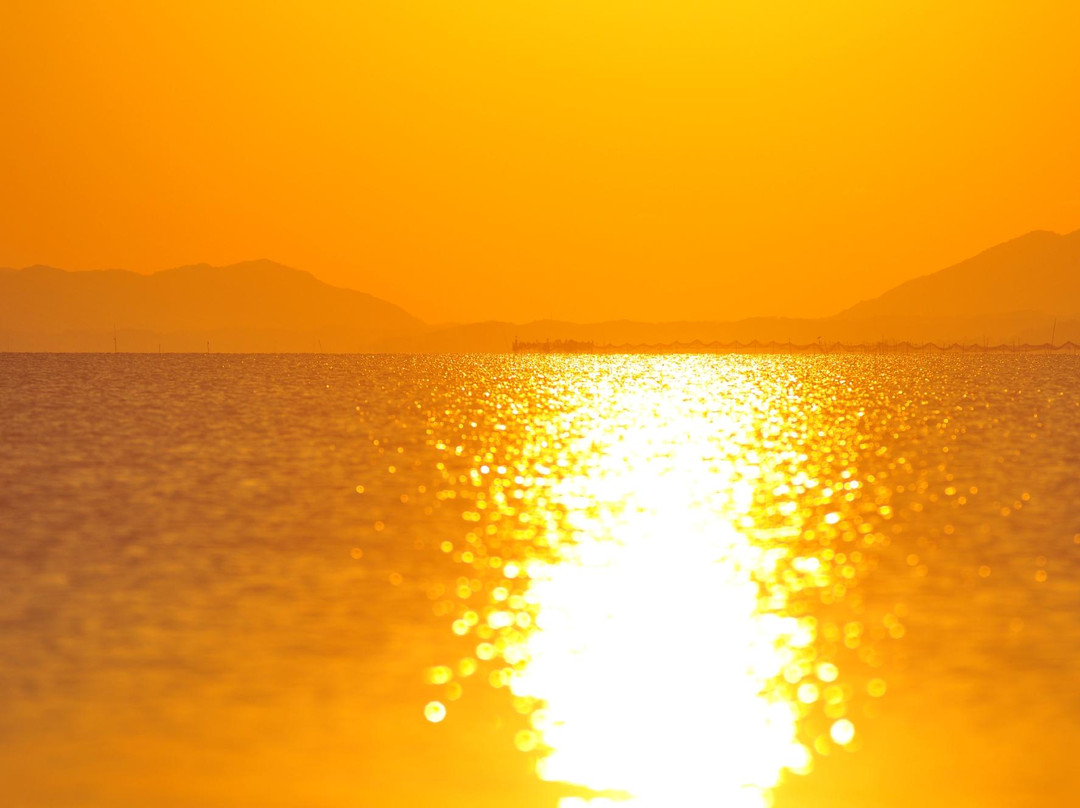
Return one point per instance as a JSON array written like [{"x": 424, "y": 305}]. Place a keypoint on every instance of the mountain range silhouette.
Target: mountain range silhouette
[
  {"x": 1038, "y": 272},
  {"x": 1024, "y": 290}
]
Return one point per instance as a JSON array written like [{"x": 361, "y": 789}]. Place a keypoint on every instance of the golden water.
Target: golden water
[{"x": 641, "y": 581}]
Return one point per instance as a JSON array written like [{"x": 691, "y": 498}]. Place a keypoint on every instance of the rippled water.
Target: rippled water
[{"x": 539, "y": 581}]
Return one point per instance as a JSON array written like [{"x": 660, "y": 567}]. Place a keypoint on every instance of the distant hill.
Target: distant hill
[
  {"x": 1024, "y": 290},
  {"x": 252, "y": 306},
  {"x": 1038, "y": 272}
]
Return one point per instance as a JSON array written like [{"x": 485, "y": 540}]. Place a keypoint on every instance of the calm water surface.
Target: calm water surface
[{"x": 657, "y": 582}]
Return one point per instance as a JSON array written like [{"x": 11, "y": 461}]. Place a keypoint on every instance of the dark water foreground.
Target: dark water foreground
[{"x": 530, "y": 581}]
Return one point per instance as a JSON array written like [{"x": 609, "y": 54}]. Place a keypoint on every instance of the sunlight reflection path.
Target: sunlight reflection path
[
  {"x": 650, "y": 653},
  {"x": 638, "y": 596}
]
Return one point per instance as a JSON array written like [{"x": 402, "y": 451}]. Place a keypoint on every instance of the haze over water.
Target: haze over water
[{"x": 539, "y": 581}]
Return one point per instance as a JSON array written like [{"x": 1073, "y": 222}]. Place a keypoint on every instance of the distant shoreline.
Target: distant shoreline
[
  {"x": 673, "y": 349},
  {"x": 756, "y": 347}
]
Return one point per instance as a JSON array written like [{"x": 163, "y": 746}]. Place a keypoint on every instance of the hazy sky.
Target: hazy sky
[{"x": 582, "y": 159}]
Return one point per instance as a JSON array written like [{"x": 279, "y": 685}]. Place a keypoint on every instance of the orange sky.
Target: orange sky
[{"x": 581, "y": 159}]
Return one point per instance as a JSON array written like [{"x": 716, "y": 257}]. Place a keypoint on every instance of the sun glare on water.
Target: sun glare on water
[
  {"x": 644, "y": 608},
  {"x": 650, "y": 655}
]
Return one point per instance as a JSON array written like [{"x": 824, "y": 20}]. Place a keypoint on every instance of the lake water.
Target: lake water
[{"x": 675, "y": 581}]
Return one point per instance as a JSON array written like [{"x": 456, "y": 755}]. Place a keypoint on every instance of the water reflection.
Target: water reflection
[
  {"x": 217, "y": 579},
  {"x": 659, "y": 567}
]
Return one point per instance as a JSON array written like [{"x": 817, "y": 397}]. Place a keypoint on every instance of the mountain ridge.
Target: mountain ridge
[
  {"x": 263, "y": 304},
  {"x": 997, "y": 280},
  {"x": 1024, "y": 289}
]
